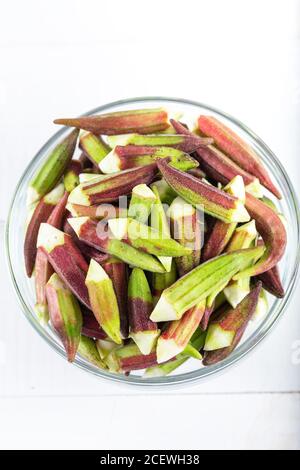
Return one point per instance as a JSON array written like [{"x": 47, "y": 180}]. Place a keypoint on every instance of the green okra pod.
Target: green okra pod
[
  {"x": 185, "y": 143},
  {"x": 145, "y": 238},
  {"x": 196, "y": 285},
  {"x": 160, "y": 223},
  {"x": 49, "y": 174},
  {"x": 103, "y": 301}
]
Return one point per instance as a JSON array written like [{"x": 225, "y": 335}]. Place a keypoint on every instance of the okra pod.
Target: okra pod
[
  {"x": 273, "y": 232},
  {"x": 143, "y": 331},
  {"x": 49, "y": 174},
  {"x": 65, "y": 259},
  {"x": 186, "y": 229},
  {"x": 178, "y": 333},
  {"x": 142, "y": 121},
  {"x": 103, "y": 301},
  {"x": 40, "y": 215},
  {"x": 145, "y": 238},
  {"x": 185, "y": 143},
  {"x": 133, "y": 156},
  {"x": 86, "y": 230},
  {"x": 237, "y": 149},
  {"x": 42, "y": 268},
  {"x": 225, "y": 332},
  {"x": 214, "y": 201},
  {"x": 111, "y": 187},
  {"x": 65, "y": 314},
  {"x": 196, "y": 285},
  {"x": 117, "y": 271},
  {"x": 160, "y": 223}
]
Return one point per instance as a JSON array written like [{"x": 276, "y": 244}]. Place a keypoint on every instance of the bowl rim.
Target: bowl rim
[{"x": 201, "y": 373}]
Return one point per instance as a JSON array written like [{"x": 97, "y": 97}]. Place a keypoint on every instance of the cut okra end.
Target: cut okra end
[
  {"x": 217, "y": 338},
  {"x": 49, "y": 237},
  {"x": 111, "y": 163},
  {"x": 145, "y": 340},
  {"x": 236, "y": 188},
  {"x": 236, "y": 291},
  {"x": 180, "y": 209},
  {"x": 77, "y": 196},
  {"x": 166, "y": 350},
  {"x": 77, "y": 222},
  {"x": 240, "y": 213},
  {"x": 164, "y": 311}
]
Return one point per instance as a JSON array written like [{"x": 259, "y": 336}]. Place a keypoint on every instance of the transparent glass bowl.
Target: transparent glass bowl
[{"x": 191, "y": 371}]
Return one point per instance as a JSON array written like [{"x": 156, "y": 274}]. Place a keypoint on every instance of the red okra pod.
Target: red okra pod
[
  {"x": 226, "y": 331},
  {"x": 237, "y": 149},
  {"x": 101, "y": 211},
  {"x": 110, "y": 187},
  {"x": 64, "y": 257},
  {"x": 43, "y": 269},
  {"x": 128, "y": 358},
  {"x": 271, "y": 280},
  {"x": 40, "y": 215},
  {"x": 216, "y": 164},
  {"x": 143, "y": 331},
  {"x": 178, "y": 333},
  {"x": 117, "y": 271},
  {"x": 132, "y": 156},
  {"x": 142, "y": 121},
  {"x": 272, "y": 230},
  {"x": 214, "y": 201}
]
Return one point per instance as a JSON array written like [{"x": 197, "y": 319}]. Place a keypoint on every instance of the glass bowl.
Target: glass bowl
[{"x": 191, "y": 371}]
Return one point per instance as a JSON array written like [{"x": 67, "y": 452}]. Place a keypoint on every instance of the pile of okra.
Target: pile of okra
[{"x": 156, "y": 244}]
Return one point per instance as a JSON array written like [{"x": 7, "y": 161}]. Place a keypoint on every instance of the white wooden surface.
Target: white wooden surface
[{"x": 65, "y": 57}]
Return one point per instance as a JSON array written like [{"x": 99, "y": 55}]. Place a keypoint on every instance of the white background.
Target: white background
[{"x": 65, "y": 57}]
